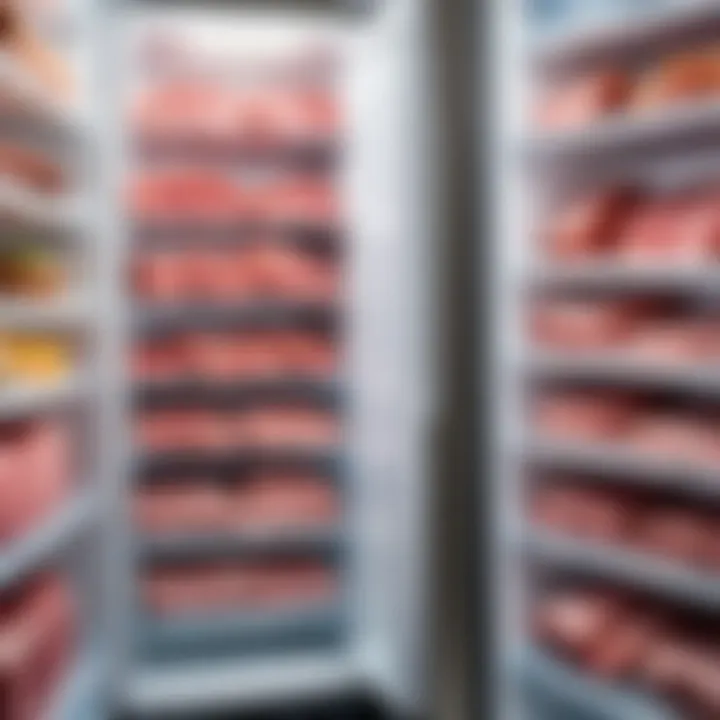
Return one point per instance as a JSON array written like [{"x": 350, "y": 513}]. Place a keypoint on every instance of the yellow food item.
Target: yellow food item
[{"x": 38, "y": 359}]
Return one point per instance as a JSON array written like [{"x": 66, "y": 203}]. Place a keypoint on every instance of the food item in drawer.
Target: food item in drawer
[
  {"x": 37, "y": 634},
  {"x": 583, "y": 416},
  {"x": 283, "y": 118},
  {"x": 624, "y": 646},
  {"x": 589, "y": 227},
  {"x": 263, "y": 271},
  {"x": 163, "y": 276},
  {"x": 676, "y": 436},
  {"x": 677, "y": 534},
  {"x": 642, "y": 641},
  {"x": 583, "y": 100},
  {"x": 682, "y": 535},
  {"x": 305, "y": 352},
  {"x": 237, "y": 587},
  {"x": 576, "y": 620},
  {"x": 190, "y": 111},
  {"x": 675, "y": 341},
  {"x": 283, "y": 271},
  {"x": 582, "y": 325},
  {"x": 163, "y": 358},
  {"x": 220, "y": 274},
  {"x": 302, "y": 201},
  {"x": 32, "y": 273},
  {"x": 36, "y": 466},
  {"x": 290, "y": 427},
  {"x": 273, "y": 501},
  {"x": 34, "y": 359},
  {"x": 185, "y": 506},
  {"x": 672, "y": 230},
  {"x": 181, "y": 430},
  {"x": 222, "y": 356},
  {"x": 218, "y": 356},
  {"x": 184, "y": 195},
  {"x": 31, "y": 169},
  {"x": 680, "y": 77}
]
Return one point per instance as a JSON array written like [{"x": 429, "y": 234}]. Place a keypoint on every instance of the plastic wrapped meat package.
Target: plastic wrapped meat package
[
  {"x": 36, "y": 465},
  {"x": 657, "y": 84},
  {"x": 264, "y": 503},
  {"x": 627, "y": 638},
  {"x": 234, "y": 588},
  {"x": 37, "y": 641}
]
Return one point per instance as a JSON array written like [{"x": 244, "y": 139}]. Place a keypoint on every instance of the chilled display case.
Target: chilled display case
[{"x": 606, "y": 324}]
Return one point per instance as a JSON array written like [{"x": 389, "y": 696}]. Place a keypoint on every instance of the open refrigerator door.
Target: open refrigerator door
[
  {"x": 606, "y": 365},
  {"x": 267, "y": 376}
]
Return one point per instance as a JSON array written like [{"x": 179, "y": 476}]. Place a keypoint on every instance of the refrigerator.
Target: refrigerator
[
  {"x": 203, "y": 395},
  {"x": 604, "y": 158}
]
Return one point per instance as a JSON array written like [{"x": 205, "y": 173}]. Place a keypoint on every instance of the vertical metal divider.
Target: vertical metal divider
[
  {"x": 115, "y": 441},
  {"x": 508, "y": 256}
]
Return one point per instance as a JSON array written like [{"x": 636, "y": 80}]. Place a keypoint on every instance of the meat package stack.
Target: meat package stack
[
  {"x": 236, "y": 278},
  {"x": 43, "y": 341},
  {"x": 622, "y": 473}
]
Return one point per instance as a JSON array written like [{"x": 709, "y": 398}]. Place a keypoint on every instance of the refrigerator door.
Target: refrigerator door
[{"x": 388, "y": 382}]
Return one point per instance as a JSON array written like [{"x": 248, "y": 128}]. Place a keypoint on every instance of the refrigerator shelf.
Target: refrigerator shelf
[
  {"x": 652, "y": 472},
  {"x": 265, "y": 313},
  {"x": 152, "y": 233},
  {"x": 695, "y": 123},
  {"x": 605, "y": 41},
  {"x": 663, "y": 578},
  {"x": 551, "y": 681},
  {"x": 346, "y": 7},
  {"x": 298, "y": 540},
  {"x": 703, "y": 379},
  {"x": 67, "y": 312},
  {"x": 626, "y": 278},
  {"x": 47, "y": 541},
  {"x": 248, "y": 631},
  {"x": 19, "y": 401},
  {"x": 22, "y": 90},
  {"x": 30, "y": 211},
  {"x": 300, "y": 154},
  {"x": 234, "y": 391},
  {"x": 323, "y": 459},
  {"x": 242, "y": 682}
]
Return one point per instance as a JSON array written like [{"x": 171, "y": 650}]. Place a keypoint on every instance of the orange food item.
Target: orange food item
[
  {"x": 584, "y": 100},
  {"x": 685, "y": 76}
]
